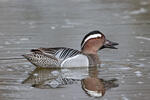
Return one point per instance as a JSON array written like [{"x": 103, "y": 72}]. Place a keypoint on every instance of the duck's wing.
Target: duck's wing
[
  {"x": 40, "y": 59},
  {"x": 59, "y": 53},
  {"x": 43, "y": 52}
]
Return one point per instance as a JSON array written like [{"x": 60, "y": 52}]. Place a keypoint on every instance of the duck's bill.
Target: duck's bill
[{"x": 110, "y": 44}]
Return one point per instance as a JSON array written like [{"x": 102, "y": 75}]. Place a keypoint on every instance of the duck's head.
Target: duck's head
[{"x": 94, "y": 41}]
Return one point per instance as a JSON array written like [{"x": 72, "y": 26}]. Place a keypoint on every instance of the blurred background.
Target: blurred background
[{"x": 26, "y": 24}]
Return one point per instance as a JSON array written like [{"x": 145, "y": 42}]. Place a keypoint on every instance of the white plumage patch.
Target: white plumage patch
[
  {"x": 93, "y": 93},
  {"x": 76, "y": 61},
  {"x": 91, "y": 37}
]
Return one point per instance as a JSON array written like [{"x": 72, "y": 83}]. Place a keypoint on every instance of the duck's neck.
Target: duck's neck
[
  {"x": 89, "y": 50},
  {"x": 93, "y": 58}
]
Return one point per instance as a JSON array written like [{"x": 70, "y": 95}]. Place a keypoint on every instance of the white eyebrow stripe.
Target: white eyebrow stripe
[{"x": 91, "y": 37}]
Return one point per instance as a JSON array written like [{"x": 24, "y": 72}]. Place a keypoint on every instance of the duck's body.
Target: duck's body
[
  {"x": 62, "y": 57},
  {"x": 67, "y": 57}
]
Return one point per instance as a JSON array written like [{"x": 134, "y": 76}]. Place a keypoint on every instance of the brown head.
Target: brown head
[{"x": 94, "y": 41}]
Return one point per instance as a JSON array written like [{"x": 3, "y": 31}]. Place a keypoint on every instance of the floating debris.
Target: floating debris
[
  {"x": 138, "y": 73},
  {"x": 142, "y": 59},
  {"x": 141, "y": 10},
  {"x": 24, "y": 39},
  {"x": 53, "y": 27},
  {"x": 140, "y": 82},
  {"x": 141, "y": 37}
]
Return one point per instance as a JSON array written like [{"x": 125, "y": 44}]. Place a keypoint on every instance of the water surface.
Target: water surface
[{"x": 26, "y": 24}]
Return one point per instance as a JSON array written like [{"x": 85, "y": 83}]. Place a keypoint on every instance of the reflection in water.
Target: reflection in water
[
  {"x": 48, "y": 78},
  {"x": 57, "y": 78},
  {"x": 95, "y": 86}
]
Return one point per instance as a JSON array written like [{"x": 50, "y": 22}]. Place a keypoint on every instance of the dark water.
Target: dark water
[{"x": 26, "y": 24}]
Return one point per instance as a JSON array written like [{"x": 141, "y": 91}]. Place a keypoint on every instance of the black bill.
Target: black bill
[{"x": 109, "y": 44}]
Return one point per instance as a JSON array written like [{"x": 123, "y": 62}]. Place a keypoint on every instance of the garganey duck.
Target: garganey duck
[{"x": 67, "y": 57}]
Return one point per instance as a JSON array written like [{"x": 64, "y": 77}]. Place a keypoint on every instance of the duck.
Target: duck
[{"x": 67, "y": 57}]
